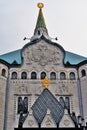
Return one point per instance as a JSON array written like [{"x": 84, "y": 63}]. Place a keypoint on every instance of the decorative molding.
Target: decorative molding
[
  {"x": 66, "y": 122},
  {"x": 42, "y": 54}
]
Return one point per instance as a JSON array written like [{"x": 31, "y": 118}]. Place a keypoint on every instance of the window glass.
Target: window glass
[
  {"x": 14, "y": 75},
  {"x": 3, "y": 72},
  {"x": 52, "y": 75},
  {"x": 72, "y": 75},
  {"x": 62, "y": 76},
  {"x": 33, "y": 75},
  {"x": 43, "y": 75},
  {"x": 24, "y": 75},
  {"x": 20, "y": 105},
  {"x": 25, "y": 103},
  {"x": 83, "y": 72},
  {"x": 67, "y": 103}
]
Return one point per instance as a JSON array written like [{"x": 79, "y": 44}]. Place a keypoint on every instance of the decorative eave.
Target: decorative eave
[{"x": 46, "y": 40}]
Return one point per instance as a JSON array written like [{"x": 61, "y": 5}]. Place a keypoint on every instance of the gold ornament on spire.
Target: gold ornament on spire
[
  {"x": 40, "y": 5},
  {"x": 45, "y": 82}
]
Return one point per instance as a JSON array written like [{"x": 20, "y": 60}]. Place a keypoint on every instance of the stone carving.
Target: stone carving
[
  {"x": 29, "y": 58},
  {"x": 63, "y": 89},
  {"x": 56, "y": 58},
  {"x": 30, "y": 122},
  {"x": 42, "y": 54},
  {"x": 48, "y": 122},
  {"x": 66, "y": 122},
  {"x": 22, "y": 89}
]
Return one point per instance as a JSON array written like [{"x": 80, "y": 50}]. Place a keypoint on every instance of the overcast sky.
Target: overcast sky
[{"x": 65, "y": 19}]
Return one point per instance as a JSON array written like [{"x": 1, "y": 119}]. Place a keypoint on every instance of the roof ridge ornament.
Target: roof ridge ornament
[{"x": 40, "y": 5}]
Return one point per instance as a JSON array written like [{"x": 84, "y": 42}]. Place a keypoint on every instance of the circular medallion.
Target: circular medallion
[
  {"x": 66, "y": 122},
  {"x": 30, "y": 122}
]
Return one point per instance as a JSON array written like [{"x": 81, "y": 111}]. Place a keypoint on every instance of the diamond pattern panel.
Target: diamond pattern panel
[{"x": 47, "y": 101}]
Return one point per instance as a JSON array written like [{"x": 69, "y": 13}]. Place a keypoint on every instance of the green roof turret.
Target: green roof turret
[
  {"x": 40, "y": 28},
  {"x": 40, "y": 20}
]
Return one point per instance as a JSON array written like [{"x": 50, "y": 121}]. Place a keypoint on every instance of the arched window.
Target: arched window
[
  {"x": 25, "y": 105},
  {"x": 33, "y": 75},
  {"x": 61, "y": 100},
  {"x": 43, "y": 75},
  {"x": 52, "y": 75},
  {"x": 24, "y": 75},
  {"x": 72, "y": 75},
  {"x": 14, "y": 75},
  {"x": 62, "y": 76},
  {"x": 67, "y": 103},
  {"x": 20, "y": 105},
  {"x": 3, "y": 72},
  {"x": 83, "y": 72}
]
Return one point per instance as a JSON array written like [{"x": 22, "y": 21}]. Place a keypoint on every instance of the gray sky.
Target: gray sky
[{"x": 65, "y": 19}]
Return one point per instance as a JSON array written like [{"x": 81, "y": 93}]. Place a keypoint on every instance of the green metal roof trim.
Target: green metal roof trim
[{"x": 11, "y": 57}]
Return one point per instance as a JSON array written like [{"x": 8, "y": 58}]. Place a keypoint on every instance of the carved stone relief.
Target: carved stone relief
[
  {"x": 22, "y": 89},
  {"x": 48, "y": 122},
  {"x": 63, "y": 89},
  {"x": 30, "y": 122},
  {"x": 42, "y": 54},
  {"x": 66, "y": 122}
]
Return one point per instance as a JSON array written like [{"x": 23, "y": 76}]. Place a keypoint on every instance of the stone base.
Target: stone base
[{"x": 49, "y": 128}]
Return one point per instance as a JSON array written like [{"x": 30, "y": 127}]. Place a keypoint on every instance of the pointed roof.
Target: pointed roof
[
  {"x": 40, "y": 20},
  {"x": 40, "y": 28}
]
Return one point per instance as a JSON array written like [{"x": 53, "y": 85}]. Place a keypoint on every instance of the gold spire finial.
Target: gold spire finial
[
  {"x": 40, "y": 5},
  {"x": 45, "y": 82}
]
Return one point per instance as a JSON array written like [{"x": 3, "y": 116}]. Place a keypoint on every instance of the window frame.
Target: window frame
[
  {"x": 24, "y": 75},
  {"x": 62, "y": 76},
  {"x": 52, "y": 75}
]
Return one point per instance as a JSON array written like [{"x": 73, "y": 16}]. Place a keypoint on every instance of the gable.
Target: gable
[
  {"x": 16, "y": 56},
  {"x": 42, "y": 54},
  {"x": 66, "y": 121}
]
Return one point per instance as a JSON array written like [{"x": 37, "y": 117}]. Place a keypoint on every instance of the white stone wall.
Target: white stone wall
[
  {"x": 83, "y": 81},
  {"x": 33, "y": 88},
  {"x": 3, "y": 82}
]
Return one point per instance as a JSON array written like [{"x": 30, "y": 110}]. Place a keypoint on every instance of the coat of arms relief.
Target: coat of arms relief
[{"x": 42, "y": 54}]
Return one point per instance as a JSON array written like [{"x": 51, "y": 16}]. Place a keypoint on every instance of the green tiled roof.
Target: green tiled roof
[
  {"x": 73, "y": 58},
  {"x": 11, "y": 57}
]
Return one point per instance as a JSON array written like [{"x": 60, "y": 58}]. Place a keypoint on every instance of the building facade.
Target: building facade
[{"x": 42, "y": 85}]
